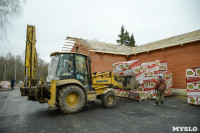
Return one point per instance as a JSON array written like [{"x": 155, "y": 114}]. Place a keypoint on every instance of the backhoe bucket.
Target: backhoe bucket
[{"x": 31, "y": 91}]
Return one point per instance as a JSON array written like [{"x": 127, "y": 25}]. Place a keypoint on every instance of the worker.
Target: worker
[
  {"x": 160, "y": 88},
  {"x": 12, "y": 83}
]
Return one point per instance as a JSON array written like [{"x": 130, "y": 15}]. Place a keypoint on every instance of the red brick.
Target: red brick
[{"x": 178, "y": 57}]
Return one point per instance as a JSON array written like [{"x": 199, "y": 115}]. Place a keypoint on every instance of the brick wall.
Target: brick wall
[
  {"x": 81, "y": 49},
  {"x": 103, "y": 62},
  {"x": 179, "y": 58}
]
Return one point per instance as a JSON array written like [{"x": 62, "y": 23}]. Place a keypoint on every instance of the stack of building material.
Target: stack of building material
[
  {"x": 122, "y": 93},
  {"x": 5, "y": 85},
  {"x": 193, "y": 86},
  {"x": 126, "y": 68},
  {"x": 146, "y": 74}
]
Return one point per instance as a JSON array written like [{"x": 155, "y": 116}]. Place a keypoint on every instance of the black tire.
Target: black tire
[
  {"x": 71, "y": 99},
  {"x": 109, "y": 99}
]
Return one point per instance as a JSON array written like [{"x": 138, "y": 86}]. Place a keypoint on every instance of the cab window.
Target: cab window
[
  {"x": 81, "y": 69},
  {"x": 65, "y": 66}
]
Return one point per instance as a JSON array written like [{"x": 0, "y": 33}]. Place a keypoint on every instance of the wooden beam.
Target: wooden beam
[
  {"x": 67, "y": 45},
  {"x": 70, "y": 42},
  {"x": 66, "y": 50},
  {"x": 72, "y": 38}
]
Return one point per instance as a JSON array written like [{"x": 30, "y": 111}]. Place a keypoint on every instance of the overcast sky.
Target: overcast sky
[{"x": 148, "y": 20}]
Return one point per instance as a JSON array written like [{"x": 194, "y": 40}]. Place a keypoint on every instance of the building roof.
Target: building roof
[
  {"x": 102, "y": 47},
  {"x": 108, "y": 47},
  {"x": 169, "y": 42}
]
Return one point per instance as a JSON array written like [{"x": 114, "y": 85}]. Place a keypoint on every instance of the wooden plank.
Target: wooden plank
[
  {"x": 70, "y": 42},
  {"x": 68, "y": 45}
]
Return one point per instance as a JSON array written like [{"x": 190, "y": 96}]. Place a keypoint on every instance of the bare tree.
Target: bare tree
[
  {"x": 8, "y": 9},
  {"x": 42, "y": 71},
  {"x": 10, "y": 61},
  {"x": 2, "y": 67}
]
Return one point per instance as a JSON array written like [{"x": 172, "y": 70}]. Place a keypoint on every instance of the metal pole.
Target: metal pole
[
  {"x": 5, "y": 73},
  {"x": 26, "y": 77},
  {"x": 15, "y": 70}
]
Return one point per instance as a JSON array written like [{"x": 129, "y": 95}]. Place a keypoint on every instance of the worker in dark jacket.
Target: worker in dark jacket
[
  {"x": 12, "y": 83},
  {"x": 160, "y": 88}
]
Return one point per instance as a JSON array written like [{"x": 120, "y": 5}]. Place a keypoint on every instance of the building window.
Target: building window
[{"x": 77, "y": 48}]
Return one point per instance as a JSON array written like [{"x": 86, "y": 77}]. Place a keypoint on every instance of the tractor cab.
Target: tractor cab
[{"x": 75, "y": 66}]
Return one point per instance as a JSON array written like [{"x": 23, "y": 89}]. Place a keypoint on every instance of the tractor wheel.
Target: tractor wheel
[
  {"x": 109, "y": 99},
  {"x": 71, "y": 99}
]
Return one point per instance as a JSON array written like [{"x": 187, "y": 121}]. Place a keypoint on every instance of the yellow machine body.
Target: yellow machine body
[
  {"x": 106, "y": 79},
  {"x": 72, "y": 85},
  {"x": 30, "y": 56}
]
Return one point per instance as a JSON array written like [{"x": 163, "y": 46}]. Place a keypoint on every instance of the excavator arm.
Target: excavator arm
[
  {"x": 30, "y": 56},
  {"x": 31, "y": 86}
]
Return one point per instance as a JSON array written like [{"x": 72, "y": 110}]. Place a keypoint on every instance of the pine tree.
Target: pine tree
[
  {"x": 132, "y": 41},
  {"x": 121, "y": 36},
  {"x": 125, "y": 39}
]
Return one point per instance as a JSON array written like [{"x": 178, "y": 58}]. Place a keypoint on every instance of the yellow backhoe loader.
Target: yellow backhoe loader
[{"x": 69, "y": 81}]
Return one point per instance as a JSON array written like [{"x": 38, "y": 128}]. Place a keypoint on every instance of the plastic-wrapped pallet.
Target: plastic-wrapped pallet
[
  {"x": 152, "y": 94},
  {"x": 126, "y": 67},
  {"x": 122, "y": 93},
  {"x": 118, "y": 92},
  {"x": 193, "y": 85},
  {"x": 146, "y": 74},
  {"x": 5, "y": 84},
  {"x": 138, "y": 95},
  {"x": 168, "y": 79},
  {"x": 195, "y": 100}
]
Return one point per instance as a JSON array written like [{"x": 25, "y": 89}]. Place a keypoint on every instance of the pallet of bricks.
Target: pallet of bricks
[
  {"x": 193, "y": 86},
  {"x": 146, "y": 74}
]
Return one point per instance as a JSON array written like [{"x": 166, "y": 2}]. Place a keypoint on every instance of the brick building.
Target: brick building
[{"x": 181, "y": 52}]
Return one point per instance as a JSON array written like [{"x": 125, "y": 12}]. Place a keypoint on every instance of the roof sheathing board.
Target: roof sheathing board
[
  {"x": 83, "y": 44},
  {"x": 169, "y": 42},
  {"x": 107, "y": 47}
]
